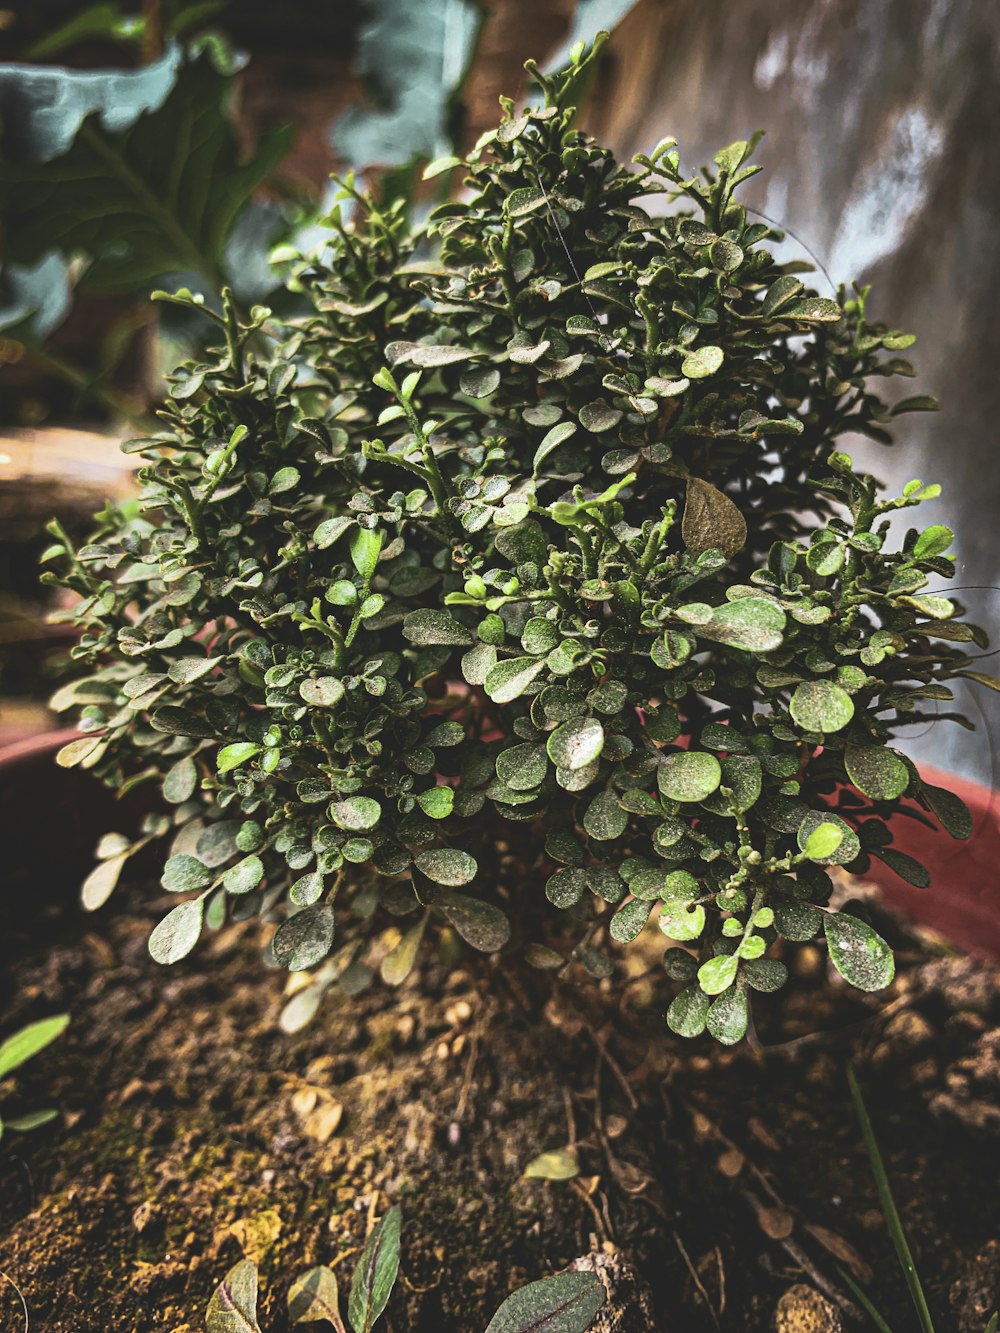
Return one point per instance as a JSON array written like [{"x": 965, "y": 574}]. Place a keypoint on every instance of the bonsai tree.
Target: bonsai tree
[{"x": 526, "y": 566}]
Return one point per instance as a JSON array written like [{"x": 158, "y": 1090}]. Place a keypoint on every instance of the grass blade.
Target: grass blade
[
  {"x": 865, "y": 1302},
  {"x": 892, "y": 1218}
]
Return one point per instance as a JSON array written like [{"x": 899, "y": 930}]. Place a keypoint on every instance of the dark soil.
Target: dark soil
[{"x": 194, "y": 1131}]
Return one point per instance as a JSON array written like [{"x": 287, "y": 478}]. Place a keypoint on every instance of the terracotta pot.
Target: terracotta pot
[
  {"x": 50, "y": 821},
  {"x": 51, "y": 818},
  {"x": 963, "y": 901}
]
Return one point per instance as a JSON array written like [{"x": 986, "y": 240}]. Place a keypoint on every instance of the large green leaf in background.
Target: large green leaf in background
[
  {"x": 141, "y": 187},
  {"x": 413, "y": 58}
]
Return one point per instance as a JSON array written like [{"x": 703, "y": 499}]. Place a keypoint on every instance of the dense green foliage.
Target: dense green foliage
[{"x": 538, "y": 520}]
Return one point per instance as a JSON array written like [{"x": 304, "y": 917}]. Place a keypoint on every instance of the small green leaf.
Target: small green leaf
[
  {"x": 556, "y": 436},
  {"x": 305, "y": 939},
  {"x": 813, "y": 310},
  {"x": 175, "y": 721},
  {"x": 705, "y": 361},
  {"x": 235, "y": 755},
  {"x": 754, "y": 623},
  {"x": 691, "y": 775},
  {"x": 877, "y": 771},
  {"x": 480, "y": 381},
  {"x": 366, "y": 546},
  {"x": 843, "y": 849},
  {"x": 566, "y": 1303},
  {"x": 522, "y": 767},
  {"x": 178, "y": 932},
  {"x": 780, "y": 293},
  {"x": 357, "y": 814},
  {"x": 180, "y": 781},
  {"x": 29, "y": 1040},
  {"x": 797, "y": 921},
  {"x": 323, "y": 692},
  {"x": 933, "y": 541},
  {"x": 99, "y": 885},
  {"x": 439, "y": 166},
  {"x": 981, "y": 678},
  {"x": 728, "y": 1016},
  {"x": 629, "y": 921},
  {"x": 183, "y": 873},
  {"x": 244, "y": 876},
  {"x": 688, "y": 1012},
  {"x": 576, "y": 744},
  {"x": 398, "y": 963},
  {"x": 823, "y": 841},
  {"x": 330, "y": 529},
  {"x": 23, "y": 1124},
  {"x": 718, "y": 974},
  {"x": 604, "y": 819},
  {"x": 557, "y": 1164},
  {"x": 509, "y": 679},
  {"x": 599, "y": 416},
  {"x": 480, "y": 924},
  {"x": 233, "y": 1307},
  {"x": 680, "y": 920},
  {"x": 185, "y": 670},
  {"x": 950, "y": 809},
  {"x": 859, "y": 954},
  {"x": 905, "y": 866},
  {"x": 314, "y": 1296},
  {"x": 375, "y": 1275},
  {"x": 430, "y": 628},
  {"x": 425, "y": 354},
  {"x": 821, "y": 706},
  {"x": 448, "y": 866},
  {"x": 436, "y": 802}
]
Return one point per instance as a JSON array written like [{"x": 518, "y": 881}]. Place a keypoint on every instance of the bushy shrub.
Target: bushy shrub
[{"x": 538, "y": 519}]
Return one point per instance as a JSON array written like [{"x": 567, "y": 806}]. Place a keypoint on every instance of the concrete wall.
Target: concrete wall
[{"x": 883, "y": 154}]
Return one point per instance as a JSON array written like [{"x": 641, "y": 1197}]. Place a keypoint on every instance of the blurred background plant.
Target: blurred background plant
[{"x": 172, "y": 145}]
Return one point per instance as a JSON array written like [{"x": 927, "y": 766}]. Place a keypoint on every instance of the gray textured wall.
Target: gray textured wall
[{"x": 883, "y": 154}]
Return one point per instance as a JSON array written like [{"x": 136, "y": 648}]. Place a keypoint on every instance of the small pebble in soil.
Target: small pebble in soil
[
  {"x": 803, "y": 1310},
  {"x": 976, "y": 1294}
]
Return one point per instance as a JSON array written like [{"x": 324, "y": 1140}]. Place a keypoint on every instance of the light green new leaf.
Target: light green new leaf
[
  {"x": 235, "y": 755},
  {"x": 29, "y": 1041},
  {"x": 556, "y": 1164},
  {"x": 718, "y": 974}
]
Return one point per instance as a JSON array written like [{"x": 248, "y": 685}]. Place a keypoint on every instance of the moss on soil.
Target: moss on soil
[{"x": 194, "y": 1131}]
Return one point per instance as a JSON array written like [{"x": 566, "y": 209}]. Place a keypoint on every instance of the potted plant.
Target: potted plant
[{"x": 521, "y": 596}]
